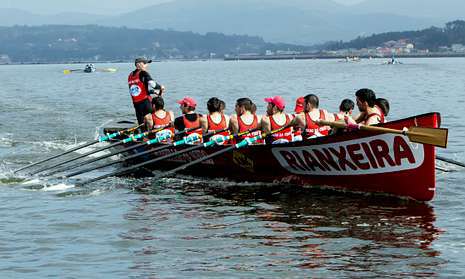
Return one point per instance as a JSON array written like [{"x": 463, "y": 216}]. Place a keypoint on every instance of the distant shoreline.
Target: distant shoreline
[
  {"x": 322, "y": 56},
  {"x": 251, "y": 58}
]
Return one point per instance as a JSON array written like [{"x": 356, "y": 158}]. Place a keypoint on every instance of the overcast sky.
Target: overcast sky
[{"x": 92, "y": 6}]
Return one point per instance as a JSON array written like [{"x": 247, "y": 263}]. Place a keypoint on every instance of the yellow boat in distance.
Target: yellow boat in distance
[{"x": 86, "y": 70}]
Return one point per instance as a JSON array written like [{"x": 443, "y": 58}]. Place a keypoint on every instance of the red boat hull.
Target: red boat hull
[{"x": 358, "y": 161}]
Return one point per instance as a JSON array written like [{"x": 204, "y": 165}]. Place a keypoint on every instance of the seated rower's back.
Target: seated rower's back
[
  {"x": 189, "y": 118},
  {"x": 215, "y": 120},
  {"x": 312, "y": 114},
  {"x": 160, "y": 118},
  {"x": 245, "y": 119},
  {"x": 276, "y": 119}
]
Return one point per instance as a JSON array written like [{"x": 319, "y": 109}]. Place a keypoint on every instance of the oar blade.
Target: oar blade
[{"x": 433, "y": 136}]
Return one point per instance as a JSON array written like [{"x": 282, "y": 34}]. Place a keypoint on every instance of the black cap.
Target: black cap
[{"x": 142, "y": 59}]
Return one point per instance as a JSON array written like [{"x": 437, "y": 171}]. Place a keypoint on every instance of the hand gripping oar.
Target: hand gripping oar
[
  {"x": 101, "y": 139},
  {"x": 185, "y": 140},
  {"x": 158, "y": 139},
  {"x": 432, "y": 136},
  {"x": 131, "y": 168},
  {"x": 450, "y": 161},
  {"x": 126, "y": 140}
]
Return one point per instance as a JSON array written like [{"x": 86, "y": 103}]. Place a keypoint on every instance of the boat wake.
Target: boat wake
[{"x": 7, "y": 141}]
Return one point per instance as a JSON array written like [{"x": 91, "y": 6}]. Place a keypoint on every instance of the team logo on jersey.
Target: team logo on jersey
[{"x": 135, "y": 90}]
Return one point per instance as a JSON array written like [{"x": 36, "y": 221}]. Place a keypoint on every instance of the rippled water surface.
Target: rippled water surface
[{"x": 190, "y": 227}]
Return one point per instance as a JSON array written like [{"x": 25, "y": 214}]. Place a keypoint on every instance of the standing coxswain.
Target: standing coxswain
[{"x": 141, "y": 86}]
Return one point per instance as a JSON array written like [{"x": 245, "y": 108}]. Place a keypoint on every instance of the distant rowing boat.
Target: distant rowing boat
[
  {"x": 90, "y": 70},
  {"x": 360, "y": 161}
]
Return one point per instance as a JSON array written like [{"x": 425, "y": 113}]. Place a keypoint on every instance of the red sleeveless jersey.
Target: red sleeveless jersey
[
  {"x": 193, "y": 124},
  {"x": 285, "y": 135},
  {"x": 162, "y": 122},
  {"x": 311, "y": 128},
  {"x": 212, "y": 126},
  {"x": 243, "y": 127},
  {"x": 137, "y": 89}
]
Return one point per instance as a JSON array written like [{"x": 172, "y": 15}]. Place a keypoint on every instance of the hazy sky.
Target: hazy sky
[{"x": 92, "y": 6}]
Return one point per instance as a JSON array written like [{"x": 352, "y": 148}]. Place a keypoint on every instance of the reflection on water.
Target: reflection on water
[{"x": 268, "y": 229}]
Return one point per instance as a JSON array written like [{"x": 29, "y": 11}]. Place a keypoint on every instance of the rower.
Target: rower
[
  {"x": 189, "y": 118},
  {"x": 215, "y": 120},
  {"x": 298, "y": 110},
  {"x": 382, "y": 105},
  {"x": 344, "y": 115},
  {"x": 277, "y": 119},
  {"x": 299, "y": 106},
  {"x": 345, "y": 111},
  {"x": 312, "y": 114},
  {"x": 160, "y": 118},
  {"x": 369, "y": 115},
  {"x": 245, "y": 119}
]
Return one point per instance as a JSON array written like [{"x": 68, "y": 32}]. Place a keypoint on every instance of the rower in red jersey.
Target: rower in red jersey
[
  {"x": 312, "y": 114},
  {"x": 276, "y": 119},
  {"x": 216, "y": 120},
  {"x": 382, "y": 105},
  {"x": 369, "y": 115},
  {"x": 189, "y": 118},
  {"x": 345, "y": 111},
  {"x": 160, "y": 118},
  {"x": 344, "y": 115},
  {"x": 245, "y": 119}
]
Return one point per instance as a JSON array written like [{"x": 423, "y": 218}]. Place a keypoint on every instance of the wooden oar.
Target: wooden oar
[
  {"x": 239, "y": 145},
  {"x": 108, "y": 70},
  {"x": 432, "y": 136},
  {"x": 153, "y": 141},
  {"x": 101, "y": 139},
  {"x": 450, "y": 161},
  {"x": 185, "y": 140},
  {"x": 70, "y": 71},
  {"x": 152, "y": 161},
  {"x": 126, "y": 140}
]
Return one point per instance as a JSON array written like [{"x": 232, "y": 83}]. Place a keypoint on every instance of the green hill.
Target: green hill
[
  {"x": 431, "y": 38},
  {"x": 65, "y": 43}
]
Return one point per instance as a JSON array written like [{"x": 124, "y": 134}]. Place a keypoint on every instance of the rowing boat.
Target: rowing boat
[{"x": 359, "y": 161}]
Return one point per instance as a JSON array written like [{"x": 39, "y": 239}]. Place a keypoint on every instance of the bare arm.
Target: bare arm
[
  {"x": 233, "y": 124},
  {"x": 204, "y": 123},
  {"x": 265, "y": 124},
  {"x": 148, "y": 122}
]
